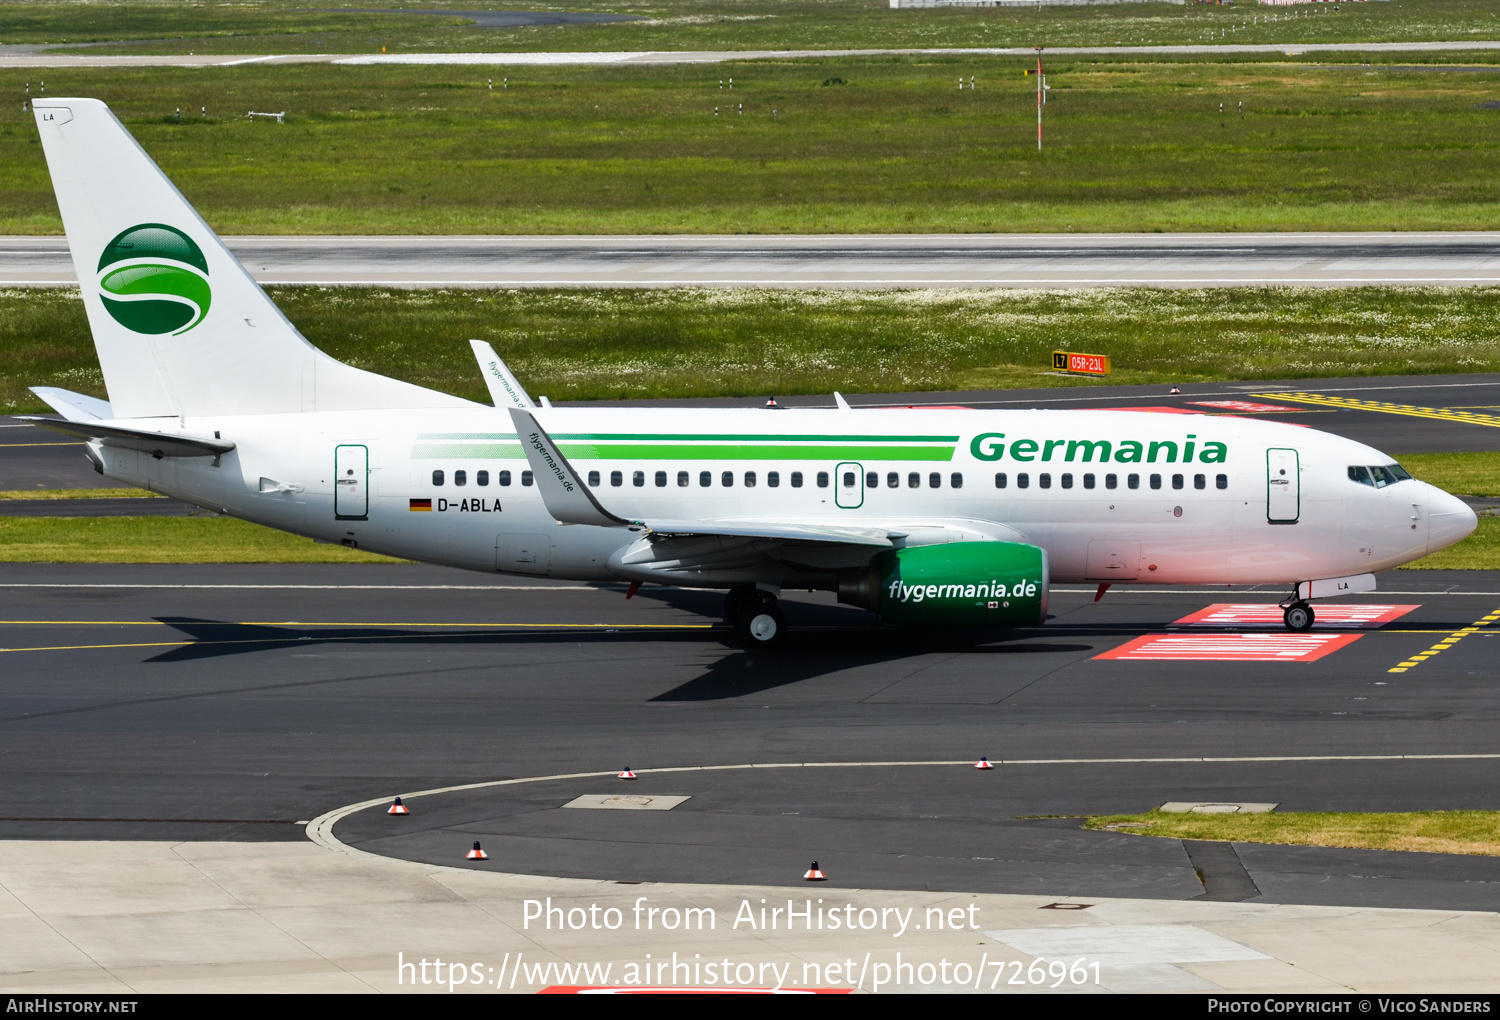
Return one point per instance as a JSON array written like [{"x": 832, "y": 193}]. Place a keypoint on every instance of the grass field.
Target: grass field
[
  {"x": 161, "y": 540},
  {"x": 581, "y": 345},
  {"x": 1441, "y": 832},
  {"x": 281, "y": 26},
  {"x": 862, "y": 145}
]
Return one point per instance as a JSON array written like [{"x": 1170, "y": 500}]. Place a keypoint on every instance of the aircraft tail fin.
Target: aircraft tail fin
[{"x": 180, "y": 327}]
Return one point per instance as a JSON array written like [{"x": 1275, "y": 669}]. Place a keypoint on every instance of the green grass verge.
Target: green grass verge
[
  {"x": 895, "y": 148},
  {"x": 161, "y": 540},
  {"x": 584, "y": 345},
  {"x": 1444, "y": 832},
  {"x": 283, "y": 26},
  {"x": 1464, "y": 474},
  {"x": 78, "y": 494}
]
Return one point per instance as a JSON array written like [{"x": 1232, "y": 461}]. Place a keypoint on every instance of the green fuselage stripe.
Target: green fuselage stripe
[{"x": 684, "y": 451}]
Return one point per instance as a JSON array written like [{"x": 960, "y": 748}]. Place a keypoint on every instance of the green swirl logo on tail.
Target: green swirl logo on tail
[{"x": 162, "y": 286}]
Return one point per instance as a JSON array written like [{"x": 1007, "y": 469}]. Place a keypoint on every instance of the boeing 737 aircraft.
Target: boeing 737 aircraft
[{"x": 930, "y": 518}]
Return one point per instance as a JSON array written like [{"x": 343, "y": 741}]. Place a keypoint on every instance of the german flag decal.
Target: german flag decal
[{"x": 421, "y": 504}]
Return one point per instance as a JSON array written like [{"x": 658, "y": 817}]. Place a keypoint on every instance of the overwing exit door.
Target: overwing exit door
[
  {"x": 1283, "y": 487},
  {"x": 351, "y": 483},
  {"x": 849, "y": 486}
]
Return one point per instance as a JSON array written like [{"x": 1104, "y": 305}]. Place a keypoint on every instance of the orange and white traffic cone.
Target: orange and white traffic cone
[
  {"x": 398, "y": 808},
  {"x": 984, "y": 763},
  {"x": 814, "y": 875},
  {"x": 476, "y": 854},
  {"x": 627, "y": 774}
]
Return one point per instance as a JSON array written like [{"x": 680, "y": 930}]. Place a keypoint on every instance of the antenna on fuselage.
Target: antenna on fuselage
[{"x": 843, "y": 405}]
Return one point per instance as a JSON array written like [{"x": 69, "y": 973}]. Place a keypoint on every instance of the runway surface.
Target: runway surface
[
  {"x": 852, "y": 261},
  {"x": 54, "y": 58},
  {"x": 242, "y": 702}
]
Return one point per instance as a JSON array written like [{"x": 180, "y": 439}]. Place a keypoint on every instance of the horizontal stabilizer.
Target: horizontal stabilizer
[
  {"x": 567, "y": 499},
  {"x": 74, "y": 406},
  {"x": 505, "y": 391},
  {"x": 157, "y": 444}
]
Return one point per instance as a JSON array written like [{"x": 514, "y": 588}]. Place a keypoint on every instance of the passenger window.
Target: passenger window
[
  {"x": 503, "y": 478},
  {"x": 935, "y": 481},
  {"x": 749, "y": 479},
  {"x": 1023, "y": 480},
  {"x": 956, "y": 479},
  {"x": 1111, "y": 481},
  {"x": 593, "y": 478},
  {"x": 1067, "y": 481},
  {"x": 661, "y": 479},
  {"x": 1044, "y": 480},
  {"x": 526, "y": 478},
  {"x": 481, "y": 478},
  {"x": 682, "y": 479},
  {"x": 460, "y": 478},
  {"x": 1156, "y": 481},
  {"x": 1088, "y": 481},
  {"x": 437, "y": 477},
  {"x": 914, "y": 480},
  {"x": 1200, "y": 482},
  {"x": 705, "y": 478},
  {"x": 848, "y": 479},
  {"x": 893, "y": 480},
  {"x": 1221, "y": 481},
  {"x": 1000, "y": 479},
  {"x": 822, "y": 479},
  {"x": 773, "y": 479},
  {"x": 796, "y": 479},
  {"x": 1176, "y": 481},
  {"x": 727, "y": 480},
  {"x": 616, "y": 478},
  {"x": 1361, "y": 475},
  {"x": 638, "y": 478},
  {"x": 1133, "y": 481},
  {"x": 872, "y": 480}
]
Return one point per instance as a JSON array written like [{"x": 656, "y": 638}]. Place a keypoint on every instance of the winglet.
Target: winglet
[
  {"x": 505, "y": 391},
  {"x": 566, "y": 497},
  {"x": 843, "y": 405}
]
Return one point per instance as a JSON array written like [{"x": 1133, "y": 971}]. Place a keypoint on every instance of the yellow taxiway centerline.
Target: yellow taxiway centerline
[{"x": 1385, "y": 407}]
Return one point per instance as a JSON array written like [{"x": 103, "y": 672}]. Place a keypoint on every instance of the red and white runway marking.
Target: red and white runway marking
[
  {"x": 1285, "y": 647},
  {"x": 1335, "y": 616}
]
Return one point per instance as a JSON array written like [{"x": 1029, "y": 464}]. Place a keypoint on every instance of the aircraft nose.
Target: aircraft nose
[{"x": 1449, "y": 520}]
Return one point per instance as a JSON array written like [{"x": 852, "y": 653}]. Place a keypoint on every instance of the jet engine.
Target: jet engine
[{"x": 960, "y": 584}]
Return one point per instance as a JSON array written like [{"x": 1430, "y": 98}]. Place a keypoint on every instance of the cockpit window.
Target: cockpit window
[{"x": 1378, "y": 476}]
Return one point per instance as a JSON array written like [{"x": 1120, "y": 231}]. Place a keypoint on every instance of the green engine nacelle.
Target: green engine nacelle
[{"x": 962, "y": 584}]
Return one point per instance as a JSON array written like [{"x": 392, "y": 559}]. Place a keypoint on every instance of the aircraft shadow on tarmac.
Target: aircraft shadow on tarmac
[{"x": 807, "y": 655}]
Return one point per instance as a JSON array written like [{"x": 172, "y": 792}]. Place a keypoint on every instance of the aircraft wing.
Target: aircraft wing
[
  {"x": 876, "y": 537},
  {"x": 157, "y": 444},
  {"x": 505, "y": 390}
]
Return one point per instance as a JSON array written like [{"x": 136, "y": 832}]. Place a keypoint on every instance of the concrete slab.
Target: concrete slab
[{"x": 346, "y": 942}]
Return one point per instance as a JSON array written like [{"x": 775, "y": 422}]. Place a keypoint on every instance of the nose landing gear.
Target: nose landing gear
[
  {"x": 1298, "y": 616},
  {"x": 757, "y": 620}
]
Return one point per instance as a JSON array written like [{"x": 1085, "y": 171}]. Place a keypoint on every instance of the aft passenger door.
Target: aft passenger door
[
  {"x": 849, "y": 482},
  {"x": 1283, "y": 487},
  {"x": 351, "y": 483}
]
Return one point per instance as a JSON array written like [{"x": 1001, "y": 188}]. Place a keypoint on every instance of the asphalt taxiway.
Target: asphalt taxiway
[{"x": 840, "y": 261}]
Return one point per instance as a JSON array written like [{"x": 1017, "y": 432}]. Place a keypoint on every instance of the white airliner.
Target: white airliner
[{"x": 931, "y": 518}]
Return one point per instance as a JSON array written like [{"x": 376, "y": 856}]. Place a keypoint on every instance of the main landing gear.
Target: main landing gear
[
  {"x": 756, "y": 619},
  {"x": 1298, "y": 616}
]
